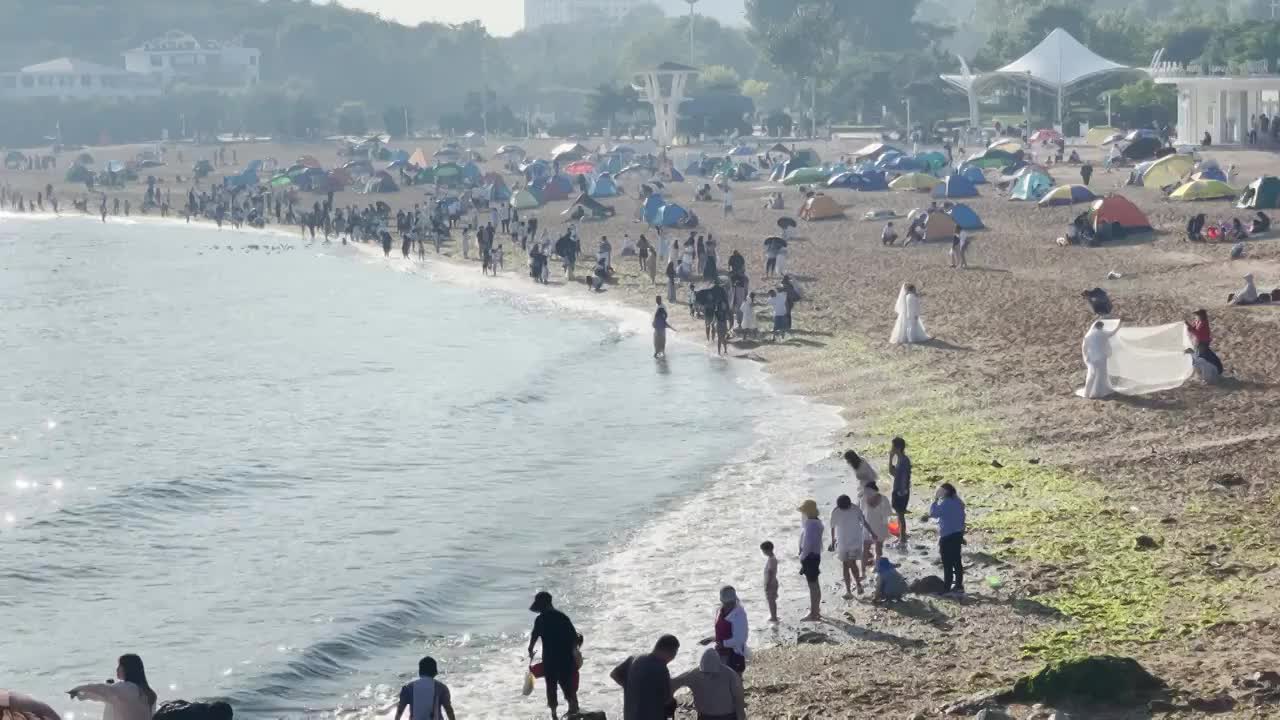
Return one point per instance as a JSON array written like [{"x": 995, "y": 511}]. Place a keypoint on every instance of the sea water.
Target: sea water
[{"x": 282, "y": 471}]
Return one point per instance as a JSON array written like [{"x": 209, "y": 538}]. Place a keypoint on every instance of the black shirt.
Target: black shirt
[{"x": 559, "y": 639}]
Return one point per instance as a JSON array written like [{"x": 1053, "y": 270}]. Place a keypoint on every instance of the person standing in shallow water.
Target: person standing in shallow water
[
  {"x": 660, "y": 328},
  {"x": 559, "y": 646},
  {"x": 811, "y": 557},
  {"x": 426, "y": 698}
]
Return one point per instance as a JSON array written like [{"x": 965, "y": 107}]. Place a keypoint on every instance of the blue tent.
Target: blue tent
[
  {"x": 1212, "y": 173},
  {"x": 496, "y": 192},
  {"x": 604, "y": 186},
  {"x": 973, "y": 174},
  {"x": 536, "y": 169},
  {"x": 552, "y": 188},
  {"x": 471, "y": 173},
  {"x": 672, "y": 215},
  {"x": 399, "y": 156},
  {"x": 955, "y": 186},
  {"x": 676, "y": 176},
  {"x": 865, "y": 181},
  {"x": 779, "y": 172},
  {"x": 742, "y": 151},
  {"x": 653, "y": 209},
  {"x": 901, "y": 163},
  {"x": 1031, "y": 186},
  {"x": 965, "y": 217}
]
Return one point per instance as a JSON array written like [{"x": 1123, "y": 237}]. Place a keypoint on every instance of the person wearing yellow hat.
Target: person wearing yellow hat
[{"x": 811, "y": 556}]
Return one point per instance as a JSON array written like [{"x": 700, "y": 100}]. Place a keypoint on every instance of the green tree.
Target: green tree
[
  {"x": 352, "y": 118},
  {"x": 607, "y": 102},
  {"x": 719, "y": 79},
  {"x": 1144, "y": 102},
  {"x": 398, "y": 121}
]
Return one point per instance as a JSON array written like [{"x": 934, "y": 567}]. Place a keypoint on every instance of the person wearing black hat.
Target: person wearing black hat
[{"x": 559, "y": 643}]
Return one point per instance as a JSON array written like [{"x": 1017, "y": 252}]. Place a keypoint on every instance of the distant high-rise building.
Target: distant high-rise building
[{"x": 564, "y": 12}]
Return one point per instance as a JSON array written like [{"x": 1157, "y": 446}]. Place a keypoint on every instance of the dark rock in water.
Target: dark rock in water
[
  {"x": 1219, "y": 703},
  {"x": 1145, "y": 542},
  {"x": 1101, "y": 679},
  {"x": 183, "y": 710},
  {"x": 929, "y": 585}
]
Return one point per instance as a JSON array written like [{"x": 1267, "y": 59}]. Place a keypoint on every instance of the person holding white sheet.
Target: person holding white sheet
[
  {"x": 1096, "y": 350},
  {"x": 908, "y": 329}
]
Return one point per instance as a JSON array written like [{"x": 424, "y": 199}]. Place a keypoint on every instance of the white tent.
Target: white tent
[
  {"x": 1147, "y": 360},
  {"x": 1059, "y": 63}
]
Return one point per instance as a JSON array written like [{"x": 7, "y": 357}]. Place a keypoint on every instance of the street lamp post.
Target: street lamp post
[
  {"x": 691, "y": 57},
  {"x": 813, "y": 108}
]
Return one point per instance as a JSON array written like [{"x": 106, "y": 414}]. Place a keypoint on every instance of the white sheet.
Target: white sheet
[{"x": 1147, "y": 360}]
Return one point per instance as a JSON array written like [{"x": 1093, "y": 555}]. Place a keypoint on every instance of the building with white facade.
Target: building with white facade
[
  {"x": 1221, "y": 101},
  {"x": 178, "y": 57},
  {"x": 72, "y": 79},
  {"x": 538, "y": 13}
]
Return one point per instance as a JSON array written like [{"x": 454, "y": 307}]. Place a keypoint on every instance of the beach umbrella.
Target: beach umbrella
[
  {"x": 1204, "y": 190},
  {"x": 1067, "y": 195},
  {"x": 914, "y": 181}
]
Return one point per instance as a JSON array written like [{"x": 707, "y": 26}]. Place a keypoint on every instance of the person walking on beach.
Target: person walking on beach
[
  {"x": 671, "y": 280},
  {"x": 646, "y": 682},
  {"x": 780, "y": 312},
  {"x": 900, "y": 469},
  {"x": 559, "y": 646},
  {"x": 948, "y": 509},
  {"x": 130, "y": 698},
  {"x": 717, "y": 691},
  {"x": 847, "y": 537},
  {"x": 811, "y": 557},
  {"x": 731, "y": 630},
  {"x": 770, "y": 580},
  {"x": 660, "y": 328},
  {"x": 426, "y": 697}
]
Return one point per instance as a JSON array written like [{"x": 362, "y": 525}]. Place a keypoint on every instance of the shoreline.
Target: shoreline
[{"x": 1000, "y": 388}]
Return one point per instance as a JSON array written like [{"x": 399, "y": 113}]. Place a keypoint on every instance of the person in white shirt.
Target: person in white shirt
[
  {"x": 731, "y": 630},
  {"x": 847, "y": 526},
  {"x": 748, "y": 327},
  {"x": 863, "y": 472},
  {"x": 779, "y": 304},
  {"x": 877, "y": 510},
  {"x": 728, "y": 201},
  {"x": 811, "y": 557},
  {"x": 129, "y": 699}
]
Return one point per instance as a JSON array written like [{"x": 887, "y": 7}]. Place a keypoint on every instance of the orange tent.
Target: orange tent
[
  {"x": 1117, "y": 209},
  {"x": 419, "y": 159},
  {"x": 940, "y": 226},
  {"x": 820, "y": 207}
]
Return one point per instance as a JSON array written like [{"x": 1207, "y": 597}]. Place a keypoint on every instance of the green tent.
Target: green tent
[
  {"x": 524, "y": 200},
  {"x": 1031, "y": 186},
  {"x": 934, "y": 160},
  {"x": 1262, "y": 194},
  {"x": 992, "y": 159},
  {"x": 425, "y": 176},
  {"x": 281, "y": 181},
  {"x": 804, "y": 158},
  {"x": 806, "y": 176}
]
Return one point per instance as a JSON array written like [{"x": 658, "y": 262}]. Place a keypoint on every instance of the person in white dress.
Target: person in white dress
[
  {"x": 877, "y": 509},
  {"x": 908, "y": 329},
  {"x": 1096, "y": 350}
]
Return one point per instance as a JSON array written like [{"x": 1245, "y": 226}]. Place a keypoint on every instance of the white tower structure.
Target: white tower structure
[{"x": 664, "y": 88}]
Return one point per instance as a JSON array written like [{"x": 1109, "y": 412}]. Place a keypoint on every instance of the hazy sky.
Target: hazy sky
[{"x": 503, "y": 17}]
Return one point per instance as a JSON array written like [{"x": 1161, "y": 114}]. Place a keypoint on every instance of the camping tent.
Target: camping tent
[
  {"x": 1168, "y": 170},
  {"x": 955, "y": 186},
  {"x": 1142, "y": 148},
  {"x": 604, "y": 187},
  {"x": 1212, "y": 173},
  {"x": 552, "y": 188},
  {"x": 1005, "y": 144},
  {"x": 381, "y": 182},
  {"x": 994, "y": 158},
  {"x": 78, "y": 173},
  {"x": 932, "y": 160},
  {"x": 419, "y": 158},
  {"x": 1031, "y": 186},
  {"x": 1204, "y": 190},
  {"x": 1118, "y": 212},
  {"x": 472, "y": 173},
  {"x": 582, "y": 167},
  {"x": 1098, "y": 135},
  {"x": 742, "y": 151},
  {"x": 965, "y": 217},
  {"x": 866, "y": 182},
  {"x": 1147, "y": 359},
  {"x": 874, "y": 151},
  {"x": 821, "y": 207},
  {"x": 806, "y": 176},
  {"x": 497, "y": 192},
  {"x": 652, "y": 211},
  {"x": 590, "y": 204},
  {"x": 524, "y": 200},
  {"x": 940, "y": 226},
  {"x": 568, "y": 152},
  {"x": 1262, "y": 194},
  {"x": 972, "y": 174},
  {"x": 1067, "y": 195},
  {"x": 913, "y": 181},
  {"x": 1044, "y": 135}
]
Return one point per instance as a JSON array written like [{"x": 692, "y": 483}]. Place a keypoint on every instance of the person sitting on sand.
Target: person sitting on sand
[
  {"x": 890, "y": 585},
  {"x": 703, "y": 194},
  {"x": 1237, "y": 231},
  {"x": 1248, "y": 295},
  {"x": 1260, "y": 224}
]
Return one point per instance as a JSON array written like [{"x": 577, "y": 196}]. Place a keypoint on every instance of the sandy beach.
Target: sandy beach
[{"x": 1059, "y": 489}]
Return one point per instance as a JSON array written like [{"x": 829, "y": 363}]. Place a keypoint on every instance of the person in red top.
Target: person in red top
[{"x": 1198, "y": 328}]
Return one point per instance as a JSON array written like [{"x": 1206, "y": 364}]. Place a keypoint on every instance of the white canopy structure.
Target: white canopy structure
[
  {"x": 1058, "y": 64},
  {"x": 664, "y": 88}
]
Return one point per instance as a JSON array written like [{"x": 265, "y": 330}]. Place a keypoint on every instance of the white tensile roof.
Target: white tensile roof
[{"x": 1060, "y": 60}]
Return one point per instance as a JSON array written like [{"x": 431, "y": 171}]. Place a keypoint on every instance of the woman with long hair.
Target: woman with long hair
[{"x": 131, "y": 698}]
